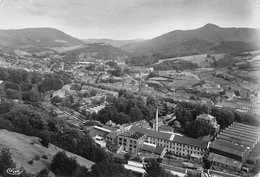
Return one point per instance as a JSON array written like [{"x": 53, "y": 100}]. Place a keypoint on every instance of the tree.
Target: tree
[
  {"x": 43, "y": 173},
  {"x": 45, "y": 138},
  {"x": 109, "y": 169},
  {"x": 152, "y": 169},
  {"x": 13, "y": 94},
  {"x": 26, "y": 87},
  {"x": 11, "y": 85},
  {"x": 135, "y": 114},
  {"x": 122, "y": 118},
  {"x": 5, "y": 106},
  {"x": 81, "y": 171},
  {"x": 93, "y": 92},
  {"x": 61, "y": 164},
  {"x": 195, "y": 129},
  {"x": 6, "y": 161},
  {"x": 56, "y": 99}
]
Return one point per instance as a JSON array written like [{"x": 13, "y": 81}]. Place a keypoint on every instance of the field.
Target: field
[
  {"x": 24, "y": 148},
  {"x": 194, "y": 58}
]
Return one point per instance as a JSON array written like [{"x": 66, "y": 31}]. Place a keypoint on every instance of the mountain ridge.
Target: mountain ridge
[
  {"x": 209, "y": 33},
  {"x": 113, "y": 42}
]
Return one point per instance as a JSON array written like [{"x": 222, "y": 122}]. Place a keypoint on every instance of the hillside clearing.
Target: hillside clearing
[{"x": 24, "y": 148}]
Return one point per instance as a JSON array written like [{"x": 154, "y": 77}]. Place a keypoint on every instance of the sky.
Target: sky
[{"x": 127, "y": 19}]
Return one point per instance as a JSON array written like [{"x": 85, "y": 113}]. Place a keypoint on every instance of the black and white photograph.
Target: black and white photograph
[{"x": 130, "y": 88}]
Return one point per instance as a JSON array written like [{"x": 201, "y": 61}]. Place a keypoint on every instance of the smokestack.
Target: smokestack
[{"x": 156, "y": 120}]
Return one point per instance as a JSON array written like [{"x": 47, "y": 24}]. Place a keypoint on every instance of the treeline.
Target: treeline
[
  {"x": 177, "y": 64},
  {"x": 144, "y": 60},
  {"x": 187, "y": 111},
  {"x": 62, "y": 165},
  {"x": 127, "y": 108},
  {"x": 28, "y": 86},
  {"x": 33, "y": 121}
]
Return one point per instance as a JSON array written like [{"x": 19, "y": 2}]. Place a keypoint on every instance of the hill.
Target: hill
[
  {"x": 40, "y": 37},
  {"x": 181, "y": 42},
  {"x": 115, "y": 43},
  {"x": 24, "y": 148},
  {"x": 93, "y": 51},
  {"x": 38, "y": 41}
]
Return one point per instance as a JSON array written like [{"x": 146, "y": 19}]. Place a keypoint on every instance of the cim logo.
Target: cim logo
[{"x": 14, "y": 171}]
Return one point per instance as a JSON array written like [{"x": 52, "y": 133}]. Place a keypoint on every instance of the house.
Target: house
[
  {"x": 165, "y": 128},
  {"x": 111, "y": 141},
  {"x": 59, "y": 93},
  {"x": 248, "y": 106},
  {"x": 160, "y": 122},
  {"x": 141, "y": 123},
  {"x": 100, "y": 141},
  {"x": 110, "y": 123},
  {"x": 95, "y": 109},
  {"x": 100, "y": 131},
  {"x": 210, "y": 120},
  {"x": 131, "y": 141},
  {"x": 170, "y": 106},
  {"x": 212, "y": 88},
  {"x": 219, "y": 161},
  {"x": 230, "y": 94},
  {"x": 155, "y": 149}
]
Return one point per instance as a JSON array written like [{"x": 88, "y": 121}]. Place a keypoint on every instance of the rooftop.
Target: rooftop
[
  {"x": 237, "y": 136},
  {"x": 226, "y": 161},
  {"x": 171, "y": 137},
  {"x": 235, "y": 140},
  {"x": 159, "y": 149},
  {"x": 165, "y": 127},
  {"x": 246, "y": 126},
  {"x": 148, "y": 147},
  {"x": 206, "y": 117},
  {"x": 112, "y": 134},
  {"x": 151, "y": 133},
  {"x": 133, "y": 135},
  {"x": 228, "y": 147},
  {"x": 190, "y": 141}
]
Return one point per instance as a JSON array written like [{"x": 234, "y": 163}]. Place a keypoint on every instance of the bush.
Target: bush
[
  {"x": 43, "y": 173},
  {"x": 30, "y": 162},
  {"x": 5, "y": 161},
  {"x": 61, "y": 164},
  {"x": 37, "y": 157},
  {"x": 44, "y": 157}
]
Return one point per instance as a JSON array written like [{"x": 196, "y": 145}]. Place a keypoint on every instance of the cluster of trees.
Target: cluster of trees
[
  {"x": 22, "y": 91},
  {"x": 195, "y": 129},
  {"x": 116, "y": 71},
  {"x": 127, "y": 108},
  {"x": 62, "y": 165},
  {"x": 6, "y": 162},
  {"x": 33, "y": 121},
  {"x": 28, "y": 86},
  {"x": 176, "y": 65},
  {"x": 153, "y": 168},
  {"x": 144, "y": 60},
  {"x": 188, "y": 111}
]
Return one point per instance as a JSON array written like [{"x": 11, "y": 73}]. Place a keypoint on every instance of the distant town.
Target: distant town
[{"x": 90, "y": 108}]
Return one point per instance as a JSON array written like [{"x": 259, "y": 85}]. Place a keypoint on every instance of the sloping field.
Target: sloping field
[{"x": 24, "y": 148}]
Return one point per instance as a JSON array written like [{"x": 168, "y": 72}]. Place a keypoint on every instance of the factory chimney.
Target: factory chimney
[{"x": 156, "y": 120}]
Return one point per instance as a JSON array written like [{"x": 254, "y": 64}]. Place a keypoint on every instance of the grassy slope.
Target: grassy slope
[{"x": 24, "y": 148}]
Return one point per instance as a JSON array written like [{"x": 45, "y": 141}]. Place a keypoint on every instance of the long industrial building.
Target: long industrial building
[{"x": 233, "y": 146}]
